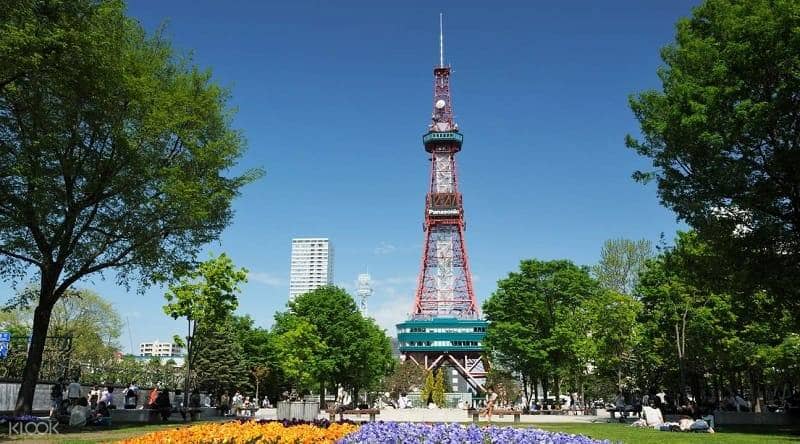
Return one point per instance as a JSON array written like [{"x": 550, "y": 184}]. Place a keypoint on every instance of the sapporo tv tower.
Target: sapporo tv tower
[{"x": 445, "y": 329}]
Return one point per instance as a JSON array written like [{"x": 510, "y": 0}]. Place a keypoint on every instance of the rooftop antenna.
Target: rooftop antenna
[{"x": 441, "y": 42}]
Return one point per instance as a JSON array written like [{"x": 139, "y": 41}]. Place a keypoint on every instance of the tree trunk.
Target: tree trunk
[
  {"x": 557, "y": 383},
  {"x": 33, "y": 363},
  {"x": 322, "y": 394},
  {"x": 526, "y": 391},
  {"x": 544, "y": 390},
  {"x": 756, "y": 404}
]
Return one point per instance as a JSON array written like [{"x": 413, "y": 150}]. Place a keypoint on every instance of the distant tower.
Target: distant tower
[
  {"x": 364, "y": 291},
  {"x": 445, "y": 328}
]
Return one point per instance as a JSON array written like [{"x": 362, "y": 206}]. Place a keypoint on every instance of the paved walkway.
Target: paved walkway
[{"x": 458, "y": 415}]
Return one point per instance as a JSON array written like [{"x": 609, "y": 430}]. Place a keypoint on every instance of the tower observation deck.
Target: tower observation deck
[{"x": 445, "y": 328}]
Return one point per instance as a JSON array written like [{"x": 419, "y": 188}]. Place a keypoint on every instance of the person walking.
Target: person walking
[
  {"x": 152, "y": 397},
  {"x": 491, "y": 399},
  {"x": 224, "y": 404}
]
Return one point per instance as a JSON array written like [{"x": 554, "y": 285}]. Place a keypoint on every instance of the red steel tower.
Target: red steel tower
[
  {"x": 445, "y": 282},
  {"x": 445, "y": 328}
]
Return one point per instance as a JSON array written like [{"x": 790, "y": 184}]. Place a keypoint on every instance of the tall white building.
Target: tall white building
[
  {"x": 312, "y": 265},
  {"x": 157, "y": 348}
]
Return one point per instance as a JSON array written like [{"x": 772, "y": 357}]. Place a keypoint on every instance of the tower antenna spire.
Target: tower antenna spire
[{"x": 441, "y": 42}]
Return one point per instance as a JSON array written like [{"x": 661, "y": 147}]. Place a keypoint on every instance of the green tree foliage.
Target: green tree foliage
[
  {"x": 505, "y": 384},
  {"x": 724, "y": 140},
  {"x": 259, "y": 374},
  {"x": 428, "y": 387},
  {"x": 232, "y": 354},
  {"x": 92, "y": 322},
  {"x": 615, "y": 333},
  {"x": 220, "y": 364},
  {"x": 405, "y": 378},
  {"x": 205, "y": 296},
  {"x": 439, "y": 388},
  {"x": 538, "y": 322},
  {"x": 112, "y": 154},
  {"x": 621, "y": 260},
  {"x": 258, "y": 355},
  {"x": 705, "y": 338},
  {"x": 304, "y": 356},
  {"x": 332, "y": 342}
]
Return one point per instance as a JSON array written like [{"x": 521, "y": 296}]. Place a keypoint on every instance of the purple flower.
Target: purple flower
[{"x": 417, "y": 433}]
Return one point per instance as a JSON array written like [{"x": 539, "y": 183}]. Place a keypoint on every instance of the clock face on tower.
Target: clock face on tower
[{"x": 440, "y": 104}]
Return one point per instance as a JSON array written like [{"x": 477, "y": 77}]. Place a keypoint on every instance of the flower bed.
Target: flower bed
[
  {"x": 319, "y": 432},
  {"x": 24, "y": 418},
  {"x": 249, "y": 432},
  {"x": 401, "y": 433}
]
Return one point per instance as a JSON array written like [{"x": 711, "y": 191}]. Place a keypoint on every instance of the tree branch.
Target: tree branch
[{"x": 20, "y": 257}]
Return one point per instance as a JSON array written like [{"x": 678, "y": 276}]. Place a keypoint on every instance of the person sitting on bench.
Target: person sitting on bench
[{"x": 103, "y": 416}]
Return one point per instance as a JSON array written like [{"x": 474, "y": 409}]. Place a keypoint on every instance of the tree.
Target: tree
[
  {"x": 90, "y": 320},
  {"x": 706, "y": 333},
  {"x": 356, "y": 352},
  {"x": 505, "y": 384},
  {"x": 406, "y": 377},
  {"x": 724, "y": 140},
  {"x": 371, "y": 355},
  {"x": 621, "y": 260},
  {"x": 219, "y": 363},
  {"x": 615, "y": 332},
  {"x": 304, "y": 356},
  {"x": 112, "y": 152},
  {"x": 259, "y": 373},
  {"x": 204, "y": 296},
  {"x": 426, "y": 394},
  {"x": 537, "y": 325},
  {"x": 439, "y": 388}
]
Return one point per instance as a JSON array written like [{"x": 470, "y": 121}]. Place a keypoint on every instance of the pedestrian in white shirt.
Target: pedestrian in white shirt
[
  {"x": 74, "y": 392},
  {"x": 108, "y": 396}
]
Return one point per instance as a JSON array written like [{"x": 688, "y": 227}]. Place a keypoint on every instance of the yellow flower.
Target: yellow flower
[{"x": 246, "y": 433}]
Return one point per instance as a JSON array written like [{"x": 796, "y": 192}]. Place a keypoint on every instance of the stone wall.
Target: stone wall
[{"x": 41, "y": 398}]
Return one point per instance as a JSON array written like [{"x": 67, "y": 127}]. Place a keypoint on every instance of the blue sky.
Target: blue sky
[{"x": 333, "y": 98}]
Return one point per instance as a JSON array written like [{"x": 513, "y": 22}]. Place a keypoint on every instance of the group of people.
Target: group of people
[
  {"x": 159, "y": 400},
  {"x": 240, "y": 405},
  {"x": 79, "y": 410}
]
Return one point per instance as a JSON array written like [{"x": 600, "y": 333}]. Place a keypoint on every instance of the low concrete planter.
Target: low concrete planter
[
  {"x": 306, "y": 410},
  {"x": 152, "y": 415}
]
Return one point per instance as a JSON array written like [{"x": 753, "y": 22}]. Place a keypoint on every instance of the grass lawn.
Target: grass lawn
[{"x": 630, "y": 435}]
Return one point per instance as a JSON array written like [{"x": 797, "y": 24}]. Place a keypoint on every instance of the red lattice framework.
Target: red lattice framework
[{"x": 444, "y": 287}]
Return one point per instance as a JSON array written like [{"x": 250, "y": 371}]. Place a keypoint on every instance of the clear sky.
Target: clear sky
[{"x": 333, "y": 98}]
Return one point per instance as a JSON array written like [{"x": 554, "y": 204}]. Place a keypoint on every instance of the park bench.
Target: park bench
[
  {"x": 475, "y": 414},
  {"x": 371, "y": 412}
]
